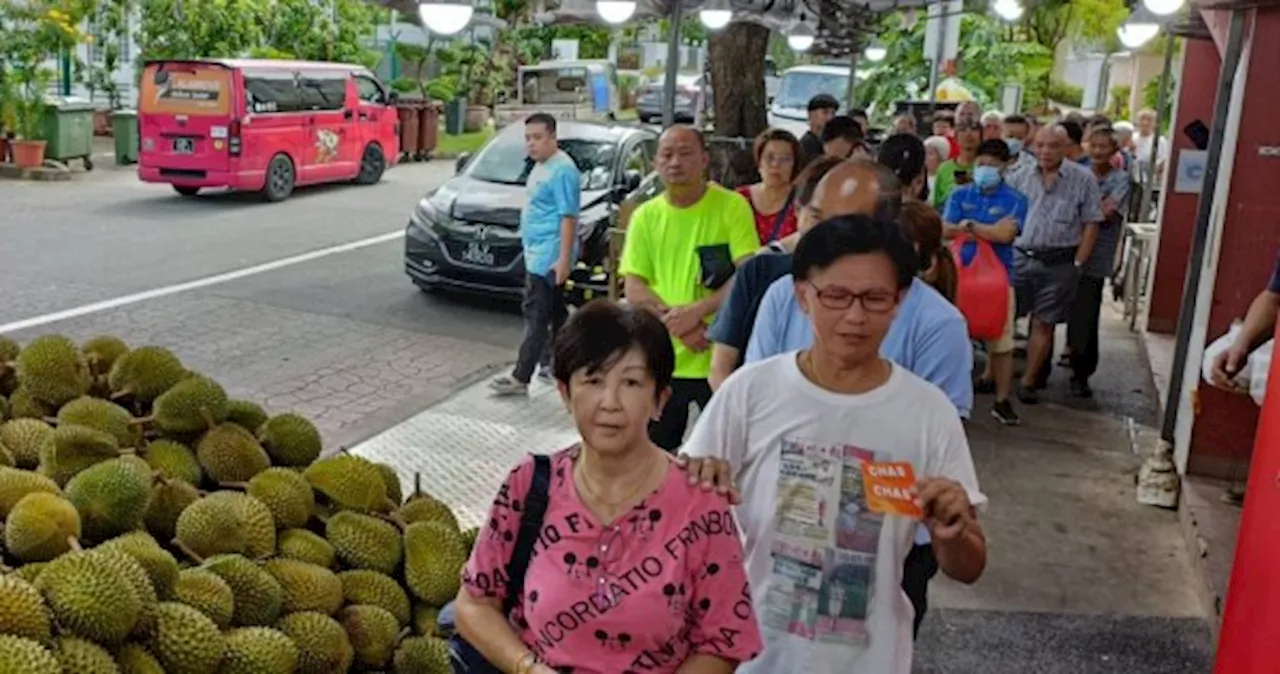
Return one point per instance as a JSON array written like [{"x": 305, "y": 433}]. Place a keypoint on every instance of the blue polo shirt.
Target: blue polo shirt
[{"x": 968, "y": 202}]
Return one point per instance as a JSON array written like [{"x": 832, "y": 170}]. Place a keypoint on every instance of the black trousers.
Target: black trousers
[
  {"x": 921, "y": 566},
  {"x": 668, "y": 431},
  {"x": 1082, "y": 327},
  {"x": 544, "y": 313}
]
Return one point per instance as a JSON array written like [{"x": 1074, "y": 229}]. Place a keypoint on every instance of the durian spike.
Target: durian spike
[{"x": 187, "y": 551}]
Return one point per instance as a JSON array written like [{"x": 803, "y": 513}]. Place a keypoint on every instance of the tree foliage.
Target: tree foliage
[
  {"x": 300, "y": 29},
  {"x": 988, "y": 60}
]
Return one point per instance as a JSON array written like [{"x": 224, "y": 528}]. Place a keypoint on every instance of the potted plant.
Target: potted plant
[
  {"x": 29, "y": 145},
  {"x": 33, "y": 32}
]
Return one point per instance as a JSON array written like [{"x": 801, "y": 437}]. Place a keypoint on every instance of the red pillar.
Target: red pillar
[{"x": 1248, "y": 643}]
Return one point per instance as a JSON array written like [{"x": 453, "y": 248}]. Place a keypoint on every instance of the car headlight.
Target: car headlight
[{"x": 425, "y": 222}]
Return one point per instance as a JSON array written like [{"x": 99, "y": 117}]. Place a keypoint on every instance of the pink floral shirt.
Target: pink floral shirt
[{"x": 659, "y": 584}]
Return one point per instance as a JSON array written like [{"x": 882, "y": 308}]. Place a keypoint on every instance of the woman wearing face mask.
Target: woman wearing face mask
[
  {"x": 990, "y": 210},
  {"x": 623, "y": 579}
]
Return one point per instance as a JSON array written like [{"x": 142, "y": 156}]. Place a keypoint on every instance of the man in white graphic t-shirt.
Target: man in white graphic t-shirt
[{"x": 799, "y": 429}]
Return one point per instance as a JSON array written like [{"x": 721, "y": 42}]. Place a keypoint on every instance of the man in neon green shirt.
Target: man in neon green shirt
[
  {"x": 681, "y": 251},
  {"x": 969, "y": 137}
]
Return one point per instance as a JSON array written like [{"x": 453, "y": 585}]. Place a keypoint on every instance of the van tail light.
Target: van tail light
[{"x": 234, "y": 144}]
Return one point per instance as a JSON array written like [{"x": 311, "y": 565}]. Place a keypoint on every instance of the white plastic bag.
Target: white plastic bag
[
  {"x": 1253, "y": 372},
  {"x": 1220, "y": 346},
  {"x": 1260, "y": 364}
]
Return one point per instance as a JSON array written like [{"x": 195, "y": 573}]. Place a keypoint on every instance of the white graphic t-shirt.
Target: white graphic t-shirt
[{"x": 826, "y": 573}]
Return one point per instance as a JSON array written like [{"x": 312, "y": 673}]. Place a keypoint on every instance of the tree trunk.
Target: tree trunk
[
  {"x": 737, "y": 82},
  {"x": 737, "y": 79}
]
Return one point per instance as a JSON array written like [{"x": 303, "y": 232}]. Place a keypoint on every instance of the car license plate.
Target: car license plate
[
  {"x": 478, "y": 254},
  {"x": 184, "y": 145}
]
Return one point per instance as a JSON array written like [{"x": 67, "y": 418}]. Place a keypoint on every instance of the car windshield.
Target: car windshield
[
  {"x": 505, "y": 161},
  {"x": 798, "y": 87}
]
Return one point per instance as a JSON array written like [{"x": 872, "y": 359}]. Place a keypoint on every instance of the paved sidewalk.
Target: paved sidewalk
[{"x": 1080, "y": 580}]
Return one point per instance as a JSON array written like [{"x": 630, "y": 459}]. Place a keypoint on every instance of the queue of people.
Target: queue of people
[{"x": 815, "y": 320}]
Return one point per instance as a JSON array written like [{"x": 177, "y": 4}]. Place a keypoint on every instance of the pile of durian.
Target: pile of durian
[{"x": 152, "y": 524}]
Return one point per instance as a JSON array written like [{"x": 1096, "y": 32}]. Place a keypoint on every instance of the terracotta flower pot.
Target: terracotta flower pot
[{"x": 28, "y": 153}]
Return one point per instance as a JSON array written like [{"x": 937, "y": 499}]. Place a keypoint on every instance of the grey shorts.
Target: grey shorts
[{"x": 1044, "y": 291}]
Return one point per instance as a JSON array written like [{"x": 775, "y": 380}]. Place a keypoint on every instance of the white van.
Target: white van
[{"x": 790, "y": 107}]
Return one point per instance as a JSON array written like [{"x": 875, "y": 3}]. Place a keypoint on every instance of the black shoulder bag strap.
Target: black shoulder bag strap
[
  {"x": 463, "y": 657},
  {"x": 531, "y": 517},
  {"x": 781, "y": 217}
]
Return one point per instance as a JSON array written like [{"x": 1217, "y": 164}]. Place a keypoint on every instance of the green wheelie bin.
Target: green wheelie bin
[
  {"x": 124, "y": 129},
  {"x": 68, "y": 130}
]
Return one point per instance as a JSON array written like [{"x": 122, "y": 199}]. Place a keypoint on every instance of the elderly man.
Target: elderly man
[
  {"x": 682, "y": 249},
  {"x": 993, "y": 125},
  {"x": 968, "y": 112},
  {"x": 1064, "y": 210}
]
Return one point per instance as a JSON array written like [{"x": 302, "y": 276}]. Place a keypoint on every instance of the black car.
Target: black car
[{"x": 465, "y": 234}]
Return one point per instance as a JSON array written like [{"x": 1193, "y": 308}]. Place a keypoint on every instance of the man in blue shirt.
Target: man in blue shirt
[
  {"x": 548, "y": 231},
  {"x": 990, "y": 210}
]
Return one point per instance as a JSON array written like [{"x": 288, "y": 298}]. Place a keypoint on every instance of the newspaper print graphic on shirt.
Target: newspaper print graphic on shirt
[{"x": 825, "y": 544}]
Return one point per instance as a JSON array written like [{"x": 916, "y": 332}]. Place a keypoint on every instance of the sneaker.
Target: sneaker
[
  {"x": 545, "y": 375},
  {"x": 984, "y": 386},
  {"x": 1003, "y": 412},
  {"x": 1080, "y": 389},
  {"x": 1028, "y": 396},
  {"x": 508, "y": 386}
]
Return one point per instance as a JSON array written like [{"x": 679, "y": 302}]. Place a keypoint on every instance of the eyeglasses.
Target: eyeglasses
[
  {"x": 602, "y": 565},
  {"x": 839, "y": 299}
]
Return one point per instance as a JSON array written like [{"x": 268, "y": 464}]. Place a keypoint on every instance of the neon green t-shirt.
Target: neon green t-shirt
[
  {"x": 662, "y": 248},
  {"x": 946, "y": 181}
]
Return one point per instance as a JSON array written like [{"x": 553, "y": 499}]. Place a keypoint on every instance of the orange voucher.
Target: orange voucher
[{"x": 889, "y": 486}]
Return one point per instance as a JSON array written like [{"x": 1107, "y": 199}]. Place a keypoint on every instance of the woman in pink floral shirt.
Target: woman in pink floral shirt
[{"x": 635, "y": 570}]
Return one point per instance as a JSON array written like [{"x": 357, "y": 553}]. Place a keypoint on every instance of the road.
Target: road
[{"x": 340, "y": 335}]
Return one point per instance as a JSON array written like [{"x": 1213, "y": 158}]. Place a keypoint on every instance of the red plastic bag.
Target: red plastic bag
[{"x": 982, "y": 292}]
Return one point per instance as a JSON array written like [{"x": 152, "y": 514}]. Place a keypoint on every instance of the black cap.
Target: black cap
[{"x": 823, "y": 102}]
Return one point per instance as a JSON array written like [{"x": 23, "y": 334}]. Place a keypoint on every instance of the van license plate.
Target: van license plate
[{"x": 184, "y": 145}]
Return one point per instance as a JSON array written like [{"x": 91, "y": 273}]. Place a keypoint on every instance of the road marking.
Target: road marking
[{"x": 205, "y": 282}]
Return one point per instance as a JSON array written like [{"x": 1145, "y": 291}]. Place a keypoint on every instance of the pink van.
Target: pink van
[{"x": 263, "y": 126}]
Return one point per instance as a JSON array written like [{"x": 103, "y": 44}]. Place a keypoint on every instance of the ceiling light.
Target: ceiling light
[
  {"x": 1009, "y": 10},
  {"x": 615, "y": 11},
  {"x": 715, "y": 19},
  {"x": 801, "y": 37},
  {"x": 445, "y": 18},
  {"x": 1134, "y": 35},
  {"x": 1163, "y": 7}
]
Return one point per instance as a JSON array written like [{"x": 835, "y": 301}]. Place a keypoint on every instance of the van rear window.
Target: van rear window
[{"x": 185, "y": 89}]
